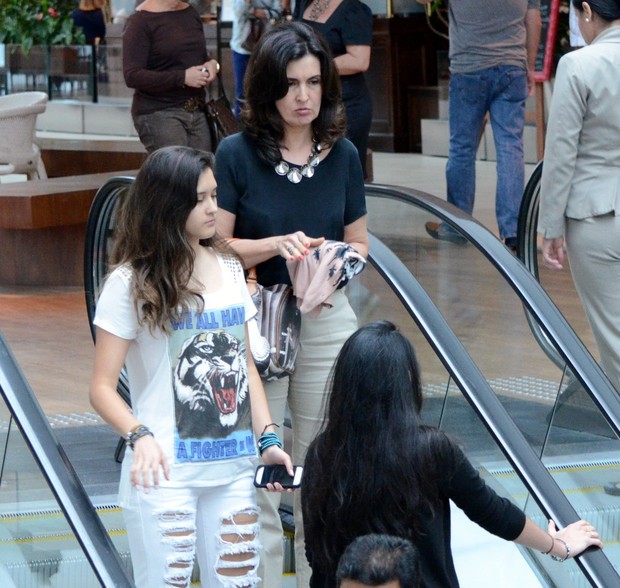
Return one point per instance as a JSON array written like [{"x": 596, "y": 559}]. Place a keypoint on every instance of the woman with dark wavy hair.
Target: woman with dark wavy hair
[
  {"x": 174, "y": 312},
  {"x": 376, "y": 468},
  {"x": 286, "y": 183}
]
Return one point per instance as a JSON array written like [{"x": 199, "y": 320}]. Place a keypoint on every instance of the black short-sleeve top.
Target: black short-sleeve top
[
  {"x": 266, "y": 204},
  {"x": 350, "y": 24}
]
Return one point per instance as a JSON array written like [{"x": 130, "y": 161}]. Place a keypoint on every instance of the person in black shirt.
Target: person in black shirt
[
  {"x": 347, "y": 28},
  {"x": 376, "y": 468},
  {"x": 286, "y": 183},
  {"x": 89, "y": 17}
]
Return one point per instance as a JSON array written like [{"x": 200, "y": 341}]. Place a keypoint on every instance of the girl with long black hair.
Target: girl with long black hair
[{"x": 376, "y": 468}]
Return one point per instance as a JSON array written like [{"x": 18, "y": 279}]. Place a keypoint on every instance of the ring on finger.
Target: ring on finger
[{"x": 289, "y": 249}]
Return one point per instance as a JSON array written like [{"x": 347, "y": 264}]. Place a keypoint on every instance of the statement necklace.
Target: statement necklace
[
  {"x": 318, "y": 8},
  {"x": 295, "y": 174}
]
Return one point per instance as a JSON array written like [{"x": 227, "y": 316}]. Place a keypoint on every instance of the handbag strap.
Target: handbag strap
[
  {"x": 222, "y": 93},
  {"x": 251, "y": 278}
]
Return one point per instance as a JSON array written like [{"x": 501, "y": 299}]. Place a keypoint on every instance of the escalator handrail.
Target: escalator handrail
[
  {"x": 103, "y": 200},
  {"x": 476, "y": 389},
  {"x": 60, "y": 474},
  {"x": 527, "y": 247},
  {"x": 528, "y": 217},
  {"x": 102, "y": 205},
  {"x": 527, "y": 288}
]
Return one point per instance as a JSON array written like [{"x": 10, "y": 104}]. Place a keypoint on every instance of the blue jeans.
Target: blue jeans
[
  {"x": 501, "y": 91},
  {"x": 240, "y": 64}
]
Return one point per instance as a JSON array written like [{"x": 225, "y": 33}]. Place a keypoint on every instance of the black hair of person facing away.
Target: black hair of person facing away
[
  {"x": 378, "y": 560},
  {"x": 377, "y": 468}
]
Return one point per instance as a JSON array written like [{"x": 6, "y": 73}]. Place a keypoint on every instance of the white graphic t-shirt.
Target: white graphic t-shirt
[{"x": 189, "y": 386}]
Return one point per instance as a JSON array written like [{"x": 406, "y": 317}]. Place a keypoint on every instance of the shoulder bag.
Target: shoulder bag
[
  {"x": 274, "y": 338},
  {"x": 220, "y": 118},
  {"x": 256, "y": 27}
]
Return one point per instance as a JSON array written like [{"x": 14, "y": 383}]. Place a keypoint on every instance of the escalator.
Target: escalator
[
  {"x": 481, "y": 290},
  {"x": 496, "y": 393}
]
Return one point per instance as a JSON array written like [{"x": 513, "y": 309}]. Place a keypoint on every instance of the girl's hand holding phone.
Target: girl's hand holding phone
[
  {"x": 268, "y": 476},
  {"x": 272, "y": 456}
]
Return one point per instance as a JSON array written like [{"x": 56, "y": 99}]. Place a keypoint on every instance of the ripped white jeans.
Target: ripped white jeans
[{"x": 167, "y": 527}]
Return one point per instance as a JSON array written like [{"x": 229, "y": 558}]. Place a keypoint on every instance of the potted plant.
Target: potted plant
[
  {"x": 37, "y": 34},
  {"x": 38, "y": 22}
]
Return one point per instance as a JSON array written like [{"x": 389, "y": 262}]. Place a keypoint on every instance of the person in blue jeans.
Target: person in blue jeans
[
  {"x": 242, "y": 12},
  {"x": 492, "y": 58}
]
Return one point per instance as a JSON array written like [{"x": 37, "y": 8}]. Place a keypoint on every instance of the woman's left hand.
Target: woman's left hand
[
  {"x": 274, "y": 455},
  {"x": 578, "y": 535},
  {"x": 211, "y": 69}
]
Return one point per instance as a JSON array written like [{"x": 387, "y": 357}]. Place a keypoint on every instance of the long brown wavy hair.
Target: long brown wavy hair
[{"x": 150, "y": 233}]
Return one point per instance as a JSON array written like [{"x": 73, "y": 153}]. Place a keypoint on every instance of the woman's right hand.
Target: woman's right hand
[
  {"x": 296, "y": 245},
  {"x": 578, "y": 536},
  {"x": 553, "y": 253},
  {"x": 147, "y": 460}
]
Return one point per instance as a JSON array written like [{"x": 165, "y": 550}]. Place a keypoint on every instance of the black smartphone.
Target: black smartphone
[{"x": 270, "y": 474}]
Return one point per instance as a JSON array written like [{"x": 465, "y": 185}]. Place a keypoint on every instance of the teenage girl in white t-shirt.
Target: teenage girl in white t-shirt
[{"x": 174, "y": 312}]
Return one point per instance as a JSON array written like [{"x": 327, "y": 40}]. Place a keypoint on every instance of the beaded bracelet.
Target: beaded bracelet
[
  {"x": 267, "y": 440},
  {"x": 561, "y": 559}
]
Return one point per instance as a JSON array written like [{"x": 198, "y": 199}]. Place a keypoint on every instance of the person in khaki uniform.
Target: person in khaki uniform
[{"x": 580, "y": 191}]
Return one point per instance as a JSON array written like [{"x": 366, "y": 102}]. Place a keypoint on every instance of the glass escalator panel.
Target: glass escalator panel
[
  {"x": 37, "y": 544},
  {"x": 560, "y": 421}
]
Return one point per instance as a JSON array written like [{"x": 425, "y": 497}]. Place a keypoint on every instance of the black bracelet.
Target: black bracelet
[
  {"x": 270, "y": 425},
  {"x": 137, "y": 433}
]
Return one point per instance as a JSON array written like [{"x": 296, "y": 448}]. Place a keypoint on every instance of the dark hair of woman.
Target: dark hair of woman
[
  {"x": 266, "y": 82},
  {"x": 373, "y": 448},
  {"x": 607, "y": 9},
  {"x": 150, "y": 231}
]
